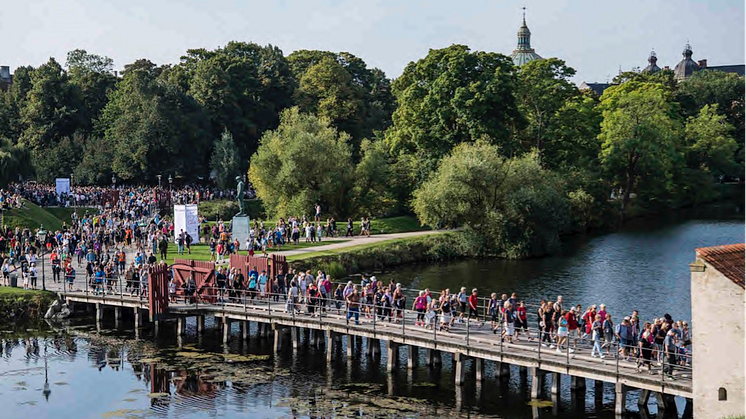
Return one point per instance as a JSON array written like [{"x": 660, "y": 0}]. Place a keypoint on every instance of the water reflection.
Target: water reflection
[{"x": 157, "y": 378}]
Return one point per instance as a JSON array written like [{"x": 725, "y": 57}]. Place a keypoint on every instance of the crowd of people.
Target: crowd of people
[{"x": 96, "y": 196}]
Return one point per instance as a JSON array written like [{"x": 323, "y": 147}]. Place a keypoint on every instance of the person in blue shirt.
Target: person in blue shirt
[
  {"x": 263, "y": 284},
  {"x": 99, "y": 282}
]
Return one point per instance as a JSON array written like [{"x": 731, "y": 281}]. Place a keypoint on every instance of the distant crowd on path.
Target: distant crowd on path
[{"x": 94, "y": 196}]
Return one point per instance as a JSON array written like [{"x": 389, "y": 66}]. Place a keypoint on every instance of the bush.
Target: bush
[{"x": 226, "y": 209}]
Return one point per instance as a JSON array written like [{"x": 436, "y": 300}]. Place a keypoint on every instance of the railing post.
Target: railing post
[
  {"x": 539, "y": 340},
  {"x": 467, "y": 331},
  {"x": 617, "y": 359},
  {"x": 243, "y": 292},
  {"x": 375, "y": 315}
]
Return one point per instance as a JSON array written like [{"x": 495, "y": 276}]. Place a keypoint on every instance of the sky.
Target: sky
[{"x": 594, "y": 37}]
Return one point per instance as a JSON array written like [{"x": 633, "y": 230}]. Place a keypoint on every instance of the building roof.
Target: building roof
[
  {"x": 523, "y": 52},
  {"x": 727, "y": 259},
  {"x": 686, "y": 67},
  {"x": 598, "y": 88},
  {"x": 736, "y": 68},
  {"x": 652, "y": 66}
]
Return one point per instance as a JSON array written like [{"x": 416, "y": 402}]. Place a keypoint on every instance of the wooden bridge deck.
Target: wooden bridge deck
[{"x": 465, "y": 340}]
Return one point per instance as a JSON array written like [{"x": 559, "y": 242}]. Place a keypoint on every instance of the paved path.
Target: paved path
[{"x": 358, "y": 240}]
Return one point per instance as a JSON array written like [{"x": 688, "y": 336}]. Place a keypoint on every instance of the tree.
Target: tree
[
  {"x": 152, "y": 127},
  {"x": 510, "y": 207},
  {"x": 450, "y": 97},
  {"x": 340, "y": 86},
  {"x": 15, "y": 161},
  {"x": 225, "y": 160},
  {"x": 49, "y": 113},
  {"x": 726, "y": 90},
  {"x": 242, "y": 87},
  {"x": 711, "y": 145},
  {"x": 544, "y": 88},
  {"x": 91, "y": 77},
  {"x": 574, "y": 135},
  {"x": 372, "y": 192},
  {"x": 302, "y": 162},
  {"x": 638, "y": 137}
]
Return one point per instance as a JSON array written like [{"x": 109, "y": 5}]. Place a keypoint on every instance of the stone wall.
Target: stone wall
[{"x": 717, "y": 343}]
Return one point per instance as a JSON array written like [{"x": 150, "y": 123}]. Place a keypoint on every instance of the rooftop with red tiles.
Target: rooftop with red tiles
[{"x": 727, "y": 259}]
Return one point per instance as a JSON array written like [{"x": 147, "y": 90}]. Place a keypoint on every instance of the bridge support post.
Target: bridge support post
[
  {"x": 666, "y": 404},
  {"x": 226, "y": 329},
  {"x": 598, "y": 389},
  {"x": 200, "y": 324},
  {"x": 138, "y": 317},
  {"x": 245, "y": 330},
  {"x": 502, "y": 370},
  {"x": 556, "y": 380},
  {"x": 156, "y": 327},
  {"x": 350, "y": 346},
  {"x": 620, "y": 401},
  {"x": 329, "y": 344},
  {"x": 479, "y": 367},
  {"x": 644, "y": 397},
  {"x": 459, "y": 370},
  {"x": 392, "y": 352},
  {"x": 412, "y": 355},
  {"x": 117, "y": 313},
  {"x": 577, "y": 383},
  {"x": 99, "y": 312},
  {"x": 432, "y": 357},
  {"x": 536, "y": 379},
  {"x": 181, "y": 326},
  {"x": 295, "y": 337},
  {"x": 277, "y": 346}
]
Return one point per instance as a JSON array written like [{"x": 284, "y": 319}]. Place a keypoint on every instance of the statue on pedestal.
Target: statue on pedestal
[{"x": 239, "y": 195}]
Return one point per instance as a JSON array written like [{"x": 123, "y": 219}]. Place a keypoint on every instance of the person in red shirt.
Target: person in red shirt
[
  {"x": 473, "y": 304},
  {"x": 521, "y": 320},
  {"x": 572, "y": 327}
]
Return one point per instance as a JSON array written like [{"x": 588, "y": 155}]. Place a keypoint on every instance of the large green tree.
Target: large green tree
[
  {"x": 452, "y": 96},
  {"x": 341, "y": 87},
  {"x": 544, "y": 88},
  {"x": 640, "y": 137},
  {"x": 48, "y": 114},
  {"x": 152, "y": 127},
  {"x": 711, "y": 147},
  {"x": 92, "y": 77},
  {"x": 511, "y": 207},
  {"x": 242, "y": 87},
  {"x": 303, "y": 162}
]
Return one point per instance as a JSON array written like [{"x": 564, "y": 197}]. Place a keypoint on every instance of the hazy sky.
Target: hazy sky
[{"x": 594, "y": 37}]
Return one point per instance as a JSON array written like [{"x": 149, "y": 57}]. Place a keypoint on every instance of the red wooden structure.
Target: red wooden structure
[
  {"x": 273, "y": 265},
  {"x": 203, "y": 274},
  {"x": 158, "y": 291}
]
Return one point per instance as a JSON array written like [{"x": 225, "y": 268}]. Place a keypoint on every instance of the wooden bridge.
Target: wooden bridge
[{"x": 466, "y": 343}]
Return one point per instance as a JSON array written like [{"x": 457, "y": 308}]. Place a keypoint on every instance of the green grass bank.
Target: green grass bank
[
  {"x": 17, "y": 304},
  {"x": 377, "y": 256}
]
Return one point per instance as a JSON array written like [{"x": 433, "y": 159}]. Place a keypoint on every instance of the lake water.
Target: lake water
[{"x": 109, "y": 374}]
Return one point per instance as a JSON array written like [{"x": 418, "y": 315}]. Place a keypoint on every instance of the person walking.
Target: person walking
[
  {"x": 353, "y": 305},
  {"x": 596, "y": 333}
]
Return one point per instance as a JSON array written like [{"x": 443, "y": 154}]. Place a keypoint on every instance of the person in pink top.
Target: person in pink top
[{"x": 602, "y": 311}]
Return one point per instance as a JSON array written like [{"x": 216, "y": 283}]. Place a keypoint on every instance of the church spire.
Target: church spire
[{"x": 523, "y": 52}]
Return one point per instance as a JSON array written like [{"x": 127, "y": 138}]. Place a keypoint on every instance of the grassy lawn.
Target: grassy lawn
[
  {"x": 16, "y": 291},
  {"x": 202, "y": 251},
  {"x": 32, "y": 216}
]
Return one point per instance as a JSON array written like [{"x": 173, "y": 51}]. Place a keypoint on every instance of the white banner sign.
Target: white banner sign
[
  {"x": 63, "y": 186},
  {"x": 186, "y": 219}
]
